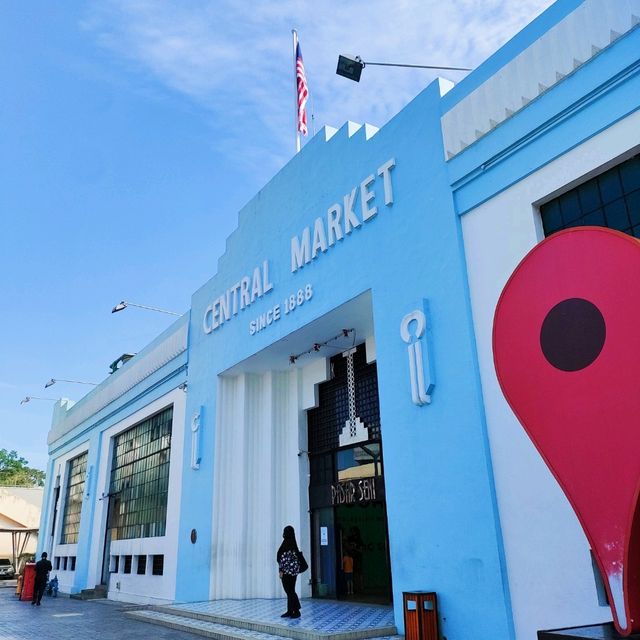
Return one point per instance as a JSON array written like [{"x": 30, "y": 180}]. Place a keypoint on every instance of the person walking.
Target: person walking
[
  {"x": 43, "y": 566},
  {"x": 289, "y": 566}
]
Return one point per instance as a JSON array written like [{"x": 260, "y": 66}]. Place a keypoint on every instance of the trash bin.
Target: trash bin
[
  {"x": 29, "y": 582},
  {"x": 420, "y": 615}
]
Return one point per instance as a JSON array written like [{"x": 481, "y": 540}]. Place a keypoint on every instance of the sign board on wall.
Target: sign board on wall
[{"x": 352, "y": 211}]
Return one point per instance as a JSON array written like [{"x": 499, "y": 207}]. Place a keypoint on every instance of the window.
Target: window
[
  {"x": 362, "y": 461},
  {"x": 56, "y": 498},
  {"x": 140, "y": 479},
  {"x": 127, "y": 564},
  {"x": 77, "y": 471},
  {"x": 327, "y": 420},
  {"x": 142, "y": 565},
  {"x": 57, "y": 562},
  {"x": 114, "y": 565},
  {"x": 73, "y": 563},
  {"x": 64, "y": 563},
  {"x": 158, "y": 565},
  {"x": 611, "y": 199}
]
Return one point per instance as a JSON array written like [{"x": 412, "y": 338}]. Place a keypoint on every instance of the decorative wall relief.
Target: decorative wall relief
[
  {"x": 196, "y": 428},
  {"x": 413, "y": 331},
  {"x": 354, "y": 429}
]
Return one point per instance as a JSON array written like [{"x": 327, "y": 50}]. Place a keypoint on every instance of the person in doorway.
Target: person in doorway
[
  {"x": 347, "y": 569},
  {"x": 355, "y": 546},
  {"x": 289, "y": 567},
  {"x": 43, "y": 566}
]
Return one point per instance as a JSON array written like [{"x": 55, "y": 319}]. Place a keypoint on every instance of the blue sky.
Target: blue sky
[{"x": 133, "y": 131}]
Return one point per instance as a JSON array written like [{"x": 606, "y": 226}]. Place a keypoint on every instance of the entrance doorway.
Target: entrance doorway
[{"x": 350, "y": 550}]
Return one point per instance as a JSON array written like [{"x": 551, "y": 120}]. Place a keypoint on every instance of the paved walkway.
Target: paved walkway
[
  {"x": 318, "y": 616},
  {"x": 64, "y": 619}
]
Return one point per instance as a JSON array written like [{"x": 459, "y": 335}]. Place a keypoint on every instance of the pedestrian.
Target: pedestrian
[
  {"x": 289, "y": 566},
  {"x": 347, "y": 568},
  {"x": 43, "y": 566},
  {"x": 356, "y": 546}
]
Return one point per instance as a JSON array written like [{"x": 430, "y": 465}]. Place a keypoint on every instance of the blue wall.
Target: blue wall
[{"x": 443, "y": 524}]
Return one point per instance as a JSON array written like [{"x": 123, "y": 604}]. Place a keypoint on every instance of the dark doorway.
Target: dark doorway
[{"x": 350, "y": 550}]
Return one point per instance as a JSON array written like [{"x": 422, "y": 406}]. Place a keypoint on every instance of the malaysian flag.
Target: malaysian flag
[{"x": 303, "y": 92}]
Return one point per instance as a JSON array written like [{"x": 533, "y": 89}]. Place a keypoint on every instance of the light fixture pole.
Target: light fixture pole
[
  {"x": 54, "y": 380},
  {"x": 30, "y": 398},
  {"x": 123, "y": 304},
  {"x": 351, "y": 66}
]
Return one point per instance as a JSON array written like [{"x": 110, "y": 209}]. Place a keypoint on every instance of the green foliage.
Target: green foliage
[{"x": 15, "y": 472}]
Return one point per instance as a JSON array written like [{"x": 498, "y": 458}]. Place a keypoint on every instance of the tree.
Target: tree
[{"x": 14, "y": 471}]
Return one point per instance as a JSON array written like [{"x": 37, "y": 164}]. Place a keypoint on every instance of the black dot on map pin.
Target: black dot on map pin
[{"x": 572, "y": 334}]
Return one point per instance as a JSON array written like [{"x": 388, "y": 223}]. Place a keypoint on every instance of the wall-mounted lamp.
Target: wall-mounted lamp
[
  {"x": 183, "y": 387},
  {"x": 30, "y": 398},
  {"x": 54, "y": 380},
  {"x": 351, "y": 66},
  {"x": 123, "y": 304}
]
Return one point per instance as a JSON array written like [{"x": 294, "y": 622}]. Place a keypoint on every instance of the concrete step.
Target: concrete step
[
  {"x": 98, "y": 592},
  {"x": 199, "y": 627},
  {"x": 235, "y": 619},
  {"x": 319, "y": 621},
  {"x": 207, "y": 628}
]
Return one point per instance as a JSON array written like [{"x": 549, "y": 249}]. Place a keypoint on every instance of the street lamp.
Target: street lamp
[
  {"x": 351, "y": 66},
  {"x": 30, "y": 398},
  {"x": 54, "y": 380},
  {"x": 123, "y": 304}
]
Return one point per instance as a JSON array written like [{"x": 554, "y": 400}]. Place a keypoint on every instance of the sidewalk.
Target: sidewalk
[{"x": 62, "y": 618}]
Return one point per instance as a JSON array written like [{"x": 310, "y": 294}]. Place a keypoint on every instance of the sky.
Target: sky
[{"x": 133, "y": 131}]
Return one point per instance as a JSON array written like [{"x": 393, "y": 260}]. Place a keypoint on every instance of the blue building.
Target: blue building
[{"x": 336, "y": 372}]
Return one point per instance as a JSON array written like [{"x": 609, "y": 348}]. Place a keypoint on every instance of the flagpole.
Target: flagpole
[{"x": 295, "y": 87}]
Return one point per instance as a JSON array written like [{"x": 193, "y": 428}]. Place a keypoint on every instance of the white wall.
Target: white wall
[
  {"x": 261, "y": 483},
  {"x": 550, "y": 574},
  {"x": 146, "y": 589},
  {"x": 19, "y": 507}
]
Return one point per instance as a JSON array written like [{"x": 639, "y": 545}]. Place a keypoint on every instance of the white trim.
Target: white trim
[
  {"x": 568, "y": 45},
  {"x": 550, "y": 573},
  {"x": 125, "y": 379},
  {"x": 61, "y": 466},
  {"x": 163, "y": 586}
]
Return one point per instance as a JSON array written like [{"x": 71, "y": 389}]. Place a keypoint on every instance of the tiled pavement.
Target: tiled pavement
[
  {"x": 65, "y": 619},
  {"x": 259, "y": 619},
  {"x": 318, "y": 616}
]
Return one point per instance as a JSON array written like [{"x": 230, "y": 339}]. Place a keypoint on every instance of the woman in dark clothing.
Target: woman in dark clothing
[{"x": 289, "y": 566}]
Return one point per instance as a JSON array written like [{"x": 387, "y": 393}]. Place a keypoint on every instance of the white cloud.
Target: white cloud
[{"x": 235, "y": 59}]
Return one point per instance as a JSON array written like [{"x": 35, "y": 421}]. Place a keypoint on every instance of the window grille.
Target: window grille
[
  {"x": 76, "y": 474},
  {"x": 328, "y": 419},
  {"x": 611, "y": 199},
  {"x": 140, "y": 479},
  {"x": 158, "y": 565}
]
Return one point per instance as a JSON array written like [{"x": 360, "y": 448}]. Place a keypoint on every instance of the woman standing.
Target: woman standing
[{"x": 289, "y": 565}]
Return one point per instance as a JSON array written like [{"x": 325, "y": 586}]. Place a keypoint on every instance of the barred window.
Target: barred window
[
  {"x": 158, "y": 565},
  {"x": 140, "y": 479},
  {"x": 77, "y": 471},
  {"x": 327, "y": 420},
  {"x": 611, "y": 199}
]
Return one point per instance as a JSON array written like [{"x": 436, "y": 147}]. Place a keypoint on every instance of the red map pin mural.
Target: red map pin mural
[{"x": 566, "y": 347}]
